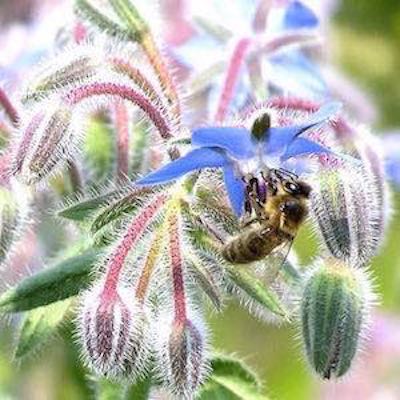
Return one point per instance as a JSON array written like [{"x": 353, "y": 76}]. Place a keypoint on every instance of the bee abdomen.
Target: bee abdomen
[{"x": 252, "y": 246}]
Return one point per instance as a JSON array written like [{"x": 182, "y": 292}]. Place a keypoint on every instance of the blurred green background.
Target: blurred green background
[{"x": 366, "y": 43}]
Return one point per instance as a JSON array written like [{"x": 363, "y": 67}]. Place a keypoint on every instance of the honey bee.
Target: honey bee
[{"x": 280, "y": 202}]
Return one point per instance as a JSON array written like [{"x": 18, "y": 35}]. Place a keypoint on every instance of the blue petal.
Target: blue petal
[
  {"x": 292, "y": 72},
  {"x": 283, "y": 136},
  {"x": 299, "y": 16},
  {"x": 301, "y": 147},
  {"x": 235, "y": 188},
  {"x": 196, "y": 159},
  {"x": 235, "y": 141}
]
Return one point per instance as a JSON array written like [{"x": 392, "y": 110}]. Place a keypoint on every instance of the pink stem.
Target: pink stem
[
  {"x": 131, "y": 236},
  {"x": 122, "y": 128},
  {"x": 9, "y": 109},
  {"x": 177, "y": 273},
  {"x": 137, "y": 77},
  {"x": 294, "y": 103},
  {"x": 126, "y": 93},
  {"x": 231, "y": 77}
]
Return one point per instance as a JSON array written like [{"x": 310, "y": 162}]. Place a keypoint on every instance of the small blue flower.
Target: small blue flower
[
  {"x": 229, "y": 147},
  {"x": 283, "y": 70}
]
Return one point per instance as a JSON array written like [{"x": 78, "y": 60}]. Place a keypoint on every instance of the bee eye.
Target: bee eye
[{"x": 291, "y": 187}]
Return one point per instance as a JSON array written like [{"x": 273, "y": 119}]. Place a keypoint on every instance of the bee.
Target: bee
[{"x": 280, "y": 203}]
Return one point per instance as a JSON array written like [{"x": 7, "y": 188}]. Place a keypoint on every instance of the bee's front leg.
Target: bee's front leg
[{"x": 254, "y": 203}]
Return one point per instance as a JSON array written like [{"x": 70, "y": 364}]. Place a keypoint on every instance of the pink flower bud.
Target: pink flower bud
[
  {"x": 112, "y": 328},
  {"x": 181, "y": 352},
  {"x": 44, "y": 142}
]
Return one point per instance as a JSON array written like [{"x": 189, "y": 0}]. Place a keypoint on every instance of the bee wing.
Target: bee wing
[{"x": 274, "y": 261}]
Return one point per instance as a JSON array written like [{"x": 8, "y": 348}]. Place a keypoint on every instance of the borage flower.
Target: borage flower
[
  {"x": 255, "y": 46},
  {"x": 238, "y": 151}
]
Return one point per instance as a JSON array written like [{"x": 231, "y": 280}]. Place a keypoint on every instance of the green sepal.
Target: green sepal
[
  {"x": 52, "y": 284},
  {"x": 257, "y": 290},
  {"x": 231, "y": 379}
]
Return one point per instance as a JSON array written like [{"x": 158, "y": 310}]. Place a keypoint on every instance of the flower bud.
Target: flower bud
[
  {"x": 345, "y": 207},
  {"x": 112, "y": 329},
  {"x": 334, "y": 313},
  {"x": 70, "y": 67},
  {"x": 181, "y": 353},
  {"x": 43, "y": 145}
]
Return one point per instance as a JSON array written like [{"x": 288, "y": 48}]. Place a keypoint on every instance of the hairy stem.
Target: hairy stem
[
  {"x": 232, "y": 75},
  {"x": 132, "y": 235},
  {"x": 124, "y": 92},
  {"x": 122, "y": 128},
  {"x": 177, "y": 269}
]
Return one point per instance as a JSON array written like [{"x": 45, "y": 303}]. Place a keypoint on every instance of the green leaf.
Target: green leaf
[
  {"x": 85, "y": 209},
  {"x": 39, "y": 325},
  {"x": 52, "y": 284},
  {"x": 257, "y": 290},
  {"x": 231, "y": 379}
]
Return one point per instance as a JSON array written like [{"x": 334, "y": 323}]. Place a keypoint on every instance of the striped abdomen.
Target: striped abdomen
[{"x": 252, "y": 245}]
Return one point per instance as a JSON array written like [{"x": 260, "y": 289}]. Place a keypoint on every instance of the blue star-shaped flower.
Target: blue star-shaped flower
[
  {"x": 283, "y": 70},
  {"x": 228, "y": 147}
]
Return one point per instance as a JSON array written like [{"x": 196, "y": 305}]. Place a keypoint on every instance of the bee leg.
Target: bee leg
[{"x": 254, "y": 200}]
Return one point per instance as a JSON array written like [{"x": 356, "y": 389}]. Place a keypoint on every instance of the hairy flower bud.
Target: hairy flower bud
[
  {"x": 334, "y": 313},
  {"x": 345, "y": 207},
  {"x": 68, "y": 68},
  {"x": 111, "y": 330},
  {"x": 181, "y": 355},
  {"x": 44, "y": 142}
]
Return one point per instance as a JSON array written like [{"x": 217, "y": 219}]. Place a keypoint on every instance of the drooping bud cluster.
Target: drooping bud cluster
[
  {"x": 334, "y": 316},
  {"x": 153, "y": 261},
  {"x": 90, "y": 76}
]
